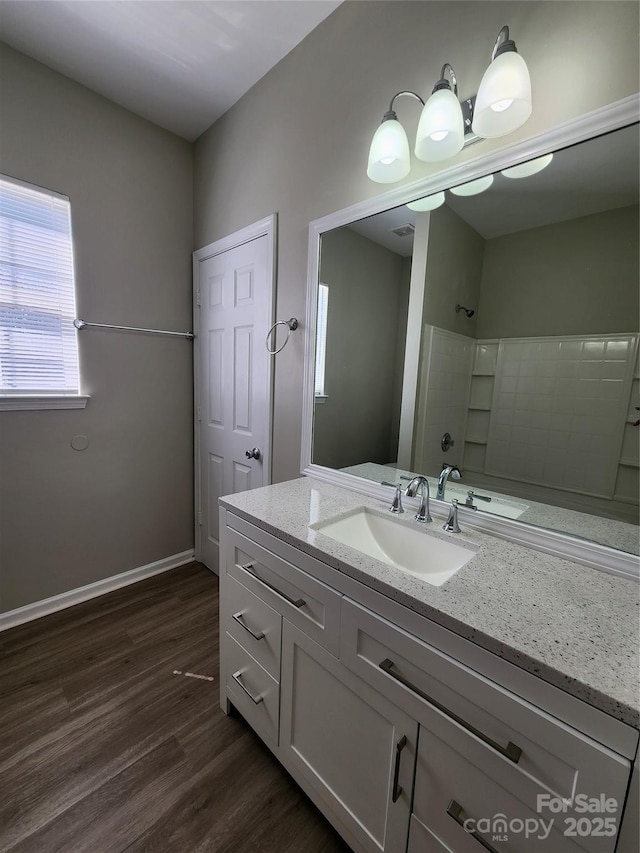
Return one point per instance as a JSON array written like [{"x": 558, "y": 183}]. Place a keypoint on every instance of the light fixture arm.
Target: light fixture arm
[
  {"x": 390, "y": 112},
  {"x": 443, "y": 83},
  {"x": 503, "y": 44}
]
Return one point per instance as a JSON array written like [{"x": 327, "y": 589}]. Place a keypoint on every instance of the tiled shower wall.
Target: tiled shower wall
[{"x": 558, "y": 412}]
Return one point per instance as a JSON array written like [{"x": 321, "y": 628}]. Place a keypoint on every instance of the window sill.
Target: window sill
[
  {"x": 321, "y": 398},
  {"x": 40, "y": 401}
]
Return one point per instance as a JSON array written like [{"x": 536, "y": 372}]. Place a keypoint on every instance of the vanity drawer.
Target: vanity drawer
[
  {"x": 460, "y": 788},
  {"x": 522, "y": 740},
  {"x": 253, "y": 691},
  {"x": 306, "y": 602},
  {"x": 254, "y": 625},
  {"x": 422, "y": 840}
]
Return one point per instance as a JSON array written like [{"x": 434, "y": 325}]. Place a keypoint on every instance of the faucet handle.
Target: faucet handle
[
  {"x": 451, "y": 524},
  {"x": 396, "y": 506},
  {"x": 471, "y": 495}
]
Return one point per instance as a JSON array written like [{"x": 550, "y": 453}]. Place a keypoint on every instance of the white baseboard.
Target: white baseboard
[{"x": 74, "y": 596}]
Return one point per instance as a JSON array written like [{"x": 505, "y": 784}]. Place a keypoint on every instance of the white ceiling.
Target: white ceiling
[{"x": 178, "y": 63}]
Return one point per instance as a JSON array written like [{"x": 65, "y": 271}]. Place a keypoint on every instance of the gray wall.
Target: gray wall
[
  {"x": 454, "y": 272},
  {"x": 570, "y": 278},
  {"x": 70, "y": 518},
  {"x": 297, "y": 143},
  {"x": 366, "y": 293}
]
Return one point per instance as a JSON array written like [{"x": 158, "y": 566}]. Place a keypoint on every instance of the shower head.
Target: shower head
[{"x": 468, "y": 311}]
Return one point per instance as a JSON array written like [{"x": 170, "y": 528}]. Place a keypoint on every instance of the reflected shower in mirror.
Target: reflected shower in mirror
[{"x": 527, "y": 354}]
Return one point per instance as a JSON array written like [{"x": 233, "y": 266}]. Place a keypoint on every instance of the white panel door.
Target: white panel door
[{"x": 234, "y": 295}]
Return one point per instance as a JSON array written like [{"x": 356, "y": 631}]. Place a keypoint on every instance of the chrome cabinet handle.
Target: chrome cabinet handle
[
  {"x": 236, "y": 677},
  {"x": 300, "y": 602},
  {"x": 510, "y": 751},
  {"x": 455, "y": 810},
  {"x": 238, "y": 617},
  {"x": 397, "y": 790}
]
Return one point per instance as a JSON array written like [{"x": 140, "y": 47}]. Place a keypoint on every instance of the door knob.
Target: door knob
[{"x": 253, "y": 454}]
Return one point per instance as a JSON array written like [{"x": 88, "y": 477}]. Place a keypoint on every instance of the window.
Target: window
[
  {"x": 38, "y": 341},
  {"x": 321, "y": 341}
]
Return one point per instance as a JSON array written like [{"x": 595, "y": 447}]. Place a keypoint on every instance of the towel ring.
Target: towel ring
[{"x": 291, "y": 325}]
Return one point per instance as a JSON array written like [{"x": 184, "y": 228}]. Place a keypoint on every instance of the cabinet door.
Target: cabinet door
[{"x": 351, "y": 749}]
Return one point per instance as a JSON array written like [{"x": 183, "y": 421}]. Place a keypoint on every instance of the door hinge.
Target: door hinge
[
  {"x": 198, "y": 298},
  {"x": 199, "y": 413},
  {"x": 200, "y": 519}
]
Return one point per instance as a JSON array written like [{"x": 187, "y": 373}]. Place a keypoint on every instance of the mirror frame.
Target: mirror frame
[{"x": 611, "y": 117}]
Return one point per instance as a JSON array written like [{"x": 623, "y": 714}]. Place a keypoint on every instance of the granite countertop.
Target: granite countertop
[
  {"x": 604, "y": 531},
  {"x": 573, "y": 626}
]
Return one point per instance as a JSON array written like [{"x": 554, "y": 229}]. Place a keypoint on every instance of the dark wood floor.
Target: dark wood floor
[{"x": 104, "y": 749}]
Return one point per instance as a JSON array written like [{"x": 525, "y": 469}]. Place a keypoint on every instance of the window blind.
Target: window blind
[
  {"x": 38, "y": 341},
  {"x": 321, "y": 338}
]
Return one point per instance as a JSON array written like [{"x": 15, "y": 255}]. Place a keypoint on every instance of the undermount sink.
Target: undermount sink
[{"x": 405, "y": 545}]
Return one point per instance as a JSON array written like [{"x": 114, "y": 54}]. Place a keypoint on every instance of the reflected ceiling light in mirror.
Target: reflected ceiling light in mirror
[
  {"x": 389, "y": 159},
  {"x": 503, "y": 103},
  {"x": 441, "y": 128},
  {"x": 532, "y": 167},
  {"x": 428, "y": 203},
  {"x": 473, "y": 187}
]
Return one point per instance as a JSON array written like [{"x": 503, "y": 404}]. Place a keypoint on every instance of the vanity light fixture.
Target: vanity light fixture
[
  {"x": 473, "y": 187},
  {"x": 446, "y": 125},
  {"x": 431, "y": 202},
  {"x": 531, "y": 167}
]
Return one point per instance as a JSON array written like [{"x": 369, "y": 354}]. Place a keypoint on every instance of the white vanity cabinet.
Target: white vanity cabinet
[
  {"x": 351, "y": 749},
  {"x": 482, "y": 745},
  {"x": 407, "y": 736}
]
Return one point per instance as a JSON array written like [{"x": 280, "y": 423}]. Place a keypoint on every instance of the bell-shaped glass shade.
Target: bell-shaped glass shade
[
  {"x": 531, "y": 167},
  {"x": 473, "y": 187},
  {"x": 389, "y": 158},
  {"x": 431, "y": 202},
  {"x": 441, "y": 128},
  {"x": 504, "y": 97}
]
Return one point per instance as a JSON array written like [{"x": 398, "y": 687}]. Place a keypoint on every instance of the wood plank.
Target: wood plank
[{"x": 104, "y": 749}]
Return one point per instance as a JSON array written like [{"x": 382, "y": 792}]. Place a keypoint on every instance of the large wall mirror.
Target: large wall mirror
[{"x": 497, "y": 332}]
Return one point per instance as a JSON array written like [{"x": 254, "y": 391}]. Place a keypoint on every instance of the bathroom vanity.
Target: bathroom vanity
[{"x": 498, "y": 710}]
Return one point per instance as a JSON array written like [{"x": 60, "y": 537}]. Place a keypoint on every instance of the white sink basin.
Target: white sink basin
[{"x": 408, "y": 546}]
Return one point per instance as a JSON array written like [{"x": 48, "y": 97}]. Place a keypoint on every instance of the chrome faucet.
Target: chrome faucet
[
  {"x": 420, "y": 485},
  {"x": 447, "y": 471}
]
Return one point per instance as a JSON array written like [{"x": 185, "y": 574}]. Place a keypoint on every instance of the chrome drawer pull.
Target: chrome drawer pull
[
  {"x": 236, "y": 677},
  {"x": 238, "y": 617},
  {"x": 455, "y": 810},
  {"x": 300, "y": 602},
  {"x": 397, "y": 790},
  {"x": 510, "y": 751}
]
